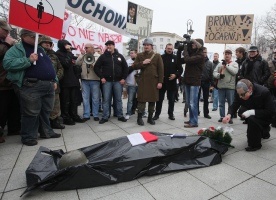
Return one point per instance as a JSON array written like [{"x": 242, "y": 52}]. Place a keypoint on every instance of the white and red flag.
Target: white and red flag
[
  {"x": 40, "y": 16},
  {"x": 141, "y": 138}
]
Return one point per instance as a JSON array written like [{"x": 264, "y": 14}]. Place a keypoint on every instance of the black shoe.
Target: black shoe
[
  {"x": 122, "y": 119},
  {"x": 96, "y": 119},
  {"x": 245, "y": 122},
  {"x": 155, "y": 117},
  {"x": 79, "y": 119},
  {"x": 230, "y": 121},
  {"x": 266, "y": 136},
  {"x": 140, "y": 121},
  {"x": 220, "y": 120},
  {"x": 100, "y": 110},
  {"x": 30, "y": 142},
  {"x": 252, "y": 148},
  {"x": 68, "y": 121},
  {"x": 86, "y": 119},
  {"x": 55, "y": 135},
  {"x": 102, "y": 121},
  {"x": 208, "y": 117},
  {"x": 171, "y": 117},
  {"x": 214, "y": 109},
  {"x": 151, "y": 121},
  {"x": 56, "y": 125}
]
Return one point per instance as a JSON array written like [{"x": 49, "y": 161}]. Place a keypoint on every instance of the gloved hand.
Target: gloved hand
[
  {"x": 248, "y": 113},
  {"x": 221, "y": 76}
]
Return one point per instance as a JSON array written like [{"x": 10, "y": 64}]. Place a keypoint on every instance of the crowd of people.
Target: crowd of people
[{"x": 41, "y": 91}]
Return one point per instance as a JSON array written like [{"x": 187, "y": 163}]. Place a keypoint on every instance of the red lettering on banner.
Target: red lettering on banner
[
  {"x": 103, "y": 37},
  {"x": 71, "y": 31},
  {"x": 78, "y": 47},
  {"x": 87, "y": 34}
]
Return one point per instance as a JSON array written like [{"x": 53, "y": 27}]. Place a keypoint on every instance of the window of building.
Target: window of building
[
  {"x": 154, "y": 40},
  {"x": 161, "y": 46},
  {"x": 161, "y": 39},
  {"x": 169, "y": 40}
]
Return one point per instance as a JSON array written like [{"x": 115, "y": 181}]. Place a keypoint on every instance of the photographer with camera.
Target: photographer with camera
[
  {"x": 194, "y": 60},
  {"x": 69, "y": 84},
  {"x": 226, "y": 72}
]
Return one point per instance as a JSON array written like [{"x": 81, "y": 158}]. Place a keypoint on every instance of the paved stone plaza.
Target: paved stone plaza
[{"x": 241, "y": 175}]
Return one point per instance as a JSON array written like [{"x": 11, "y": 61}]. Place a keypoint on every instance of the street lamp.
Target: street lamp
[{"x": 190, "y": 31}]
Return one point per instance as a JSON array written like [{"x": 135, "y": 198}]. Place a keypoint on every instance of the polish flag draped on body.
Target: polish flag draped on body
[
  {"x": 40, "y": 16},
  {"x": 141, "y": 138}
]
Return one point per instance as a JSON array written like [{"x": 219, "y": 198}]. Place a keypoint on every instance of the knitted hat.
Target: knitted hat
[
  {"x": 4, "y": 25},
  {"x": 148, "y": 41}
]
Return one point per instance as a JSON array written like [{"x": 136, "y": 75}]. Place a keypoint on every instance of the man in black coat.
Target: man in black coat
[
  {"x": 172, "y": 70},
  {"x": 255, "y": 105}
]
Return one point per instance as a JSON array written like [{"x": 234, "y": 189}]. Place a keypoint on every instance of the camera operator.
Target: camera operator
[
  {"x": 194, "y": 60},
  {"x": 226, "y": 72}
]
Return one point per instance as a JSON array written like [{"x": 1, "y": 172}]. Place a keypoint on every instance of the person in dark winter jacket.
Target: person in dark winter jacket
[
  {"x": 255, "y": 68},
  {"x": 70, "y": 84},
  {"x": 206, "y": 83},
  {"x": 112, "y": 69},
  {"x": 194, "y": 59},
  {"x": 172, "y": 70},
  {"x": 255, "y": 105}
]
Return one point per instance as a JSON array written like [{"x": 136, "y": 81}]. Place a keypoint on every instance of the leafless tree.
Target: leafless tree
[
  {"x": 269, "y": 24},
  {"x": 4, "y": 8}
]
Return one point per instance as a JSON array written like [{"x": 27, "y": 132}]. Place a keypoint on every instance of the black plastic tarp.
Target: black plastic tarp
[{"x": 117, "y": 161}]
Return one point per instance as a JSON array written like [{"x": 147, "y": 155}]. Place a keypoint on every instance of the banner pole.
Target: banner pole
[{"x": 36, "y": 44}]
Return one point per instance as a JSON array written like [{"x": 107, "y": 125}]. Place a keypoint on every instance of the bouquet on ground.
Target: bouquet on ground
[{"x": 219, "y": 134}]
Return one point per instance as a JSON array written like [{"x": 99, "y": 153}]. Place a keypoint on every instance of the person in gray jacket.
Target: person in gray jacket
[{"x": 226, "y": 72}]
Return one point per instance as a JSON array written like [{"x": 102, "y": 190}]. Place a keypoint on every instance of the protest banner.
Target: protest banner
[
  {"x": 99, "y": 13},
  {"x": 78, "y": 37},
  {"x": 229, "y": 29},
  {"x": 139, "y": 20},
  {"x": 44, "y": 17}
]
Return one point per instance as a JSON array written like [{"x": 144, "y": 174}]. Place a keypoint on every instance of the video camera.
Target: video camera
[{"x": 179, "y": 44}]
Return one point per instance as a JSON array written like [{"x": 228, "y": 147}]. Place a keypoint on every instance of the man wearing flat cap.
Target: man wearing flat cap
[
  {"x": 36, "y": 84},
  {"x": 151, "y": 80},
  {"x": 112, "y": 69},
  {"x": 9, "y": 104},
  {"x": 255, "y": 68}
]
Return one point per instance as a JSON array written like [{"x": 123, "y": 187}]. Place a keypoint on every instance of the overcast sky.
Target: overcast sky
[{"x": 171, "y": 16}]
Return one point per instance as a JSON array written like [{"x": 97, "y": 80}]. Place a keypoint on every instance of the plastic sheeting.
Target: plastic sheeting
[{"x": 117, "y": 161}]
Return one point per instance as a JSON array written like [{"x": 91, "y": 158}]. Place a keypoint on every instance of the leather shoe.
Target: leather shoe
[
  {"x": 96, "y": 119},
  {"x": 171, "y": 117},
  {"x": 207, "y": 116},
  {"x": 56, "y": 135},
  {"x": 30, "y": 142},
  {"x": 214, "y": 109},
  {"x": 230, "y": 121},
  {"x": 102, "y": 121},
  {"x": 155, "y": 118},
  {"x": 187, "y": 122},
  {"x": 190, "y": 126},
  {"x": 252, "y": 148},
  {"x": 220, "y": 120},
  {"x": 122, "y": 119}
]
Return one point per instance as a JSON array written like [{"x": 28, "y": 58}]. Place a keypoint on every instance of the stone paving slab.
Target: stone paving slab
[{"x": 241, "y": 175}]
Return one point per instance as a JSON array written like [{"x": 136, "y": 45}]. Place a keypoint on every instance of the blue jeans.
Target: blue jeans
[
  {"x": 36, "y": 100},
  {"x": 215, "y": 98},
  {"x": 108, "y": 88},
  {"x": 225, "y": 94},
  {"x": 192, "y": 100},
  {"x": 131, "y": 92},
  {"x": 90, "y": 88}
]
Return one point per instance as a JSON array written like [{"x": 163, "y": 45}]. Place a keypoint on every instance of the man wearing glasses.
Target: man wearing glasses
[
  {"x": 255, "y": 105},
  {"x": 37, "y": 83}
]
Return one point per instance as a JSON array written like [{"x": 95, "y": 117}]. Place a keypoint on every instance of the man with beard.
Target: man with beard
[
  {"x": 172, "y": 70},
  {"x": 255, "y": 68},
  {"x": 151, "y": 79}
]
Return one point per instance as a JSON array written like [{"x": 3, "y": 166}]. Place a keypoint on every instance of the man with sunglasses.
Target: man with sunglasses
[
  {"x": 255, "y": 105},
  {"x": 36, "y": 84}
]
